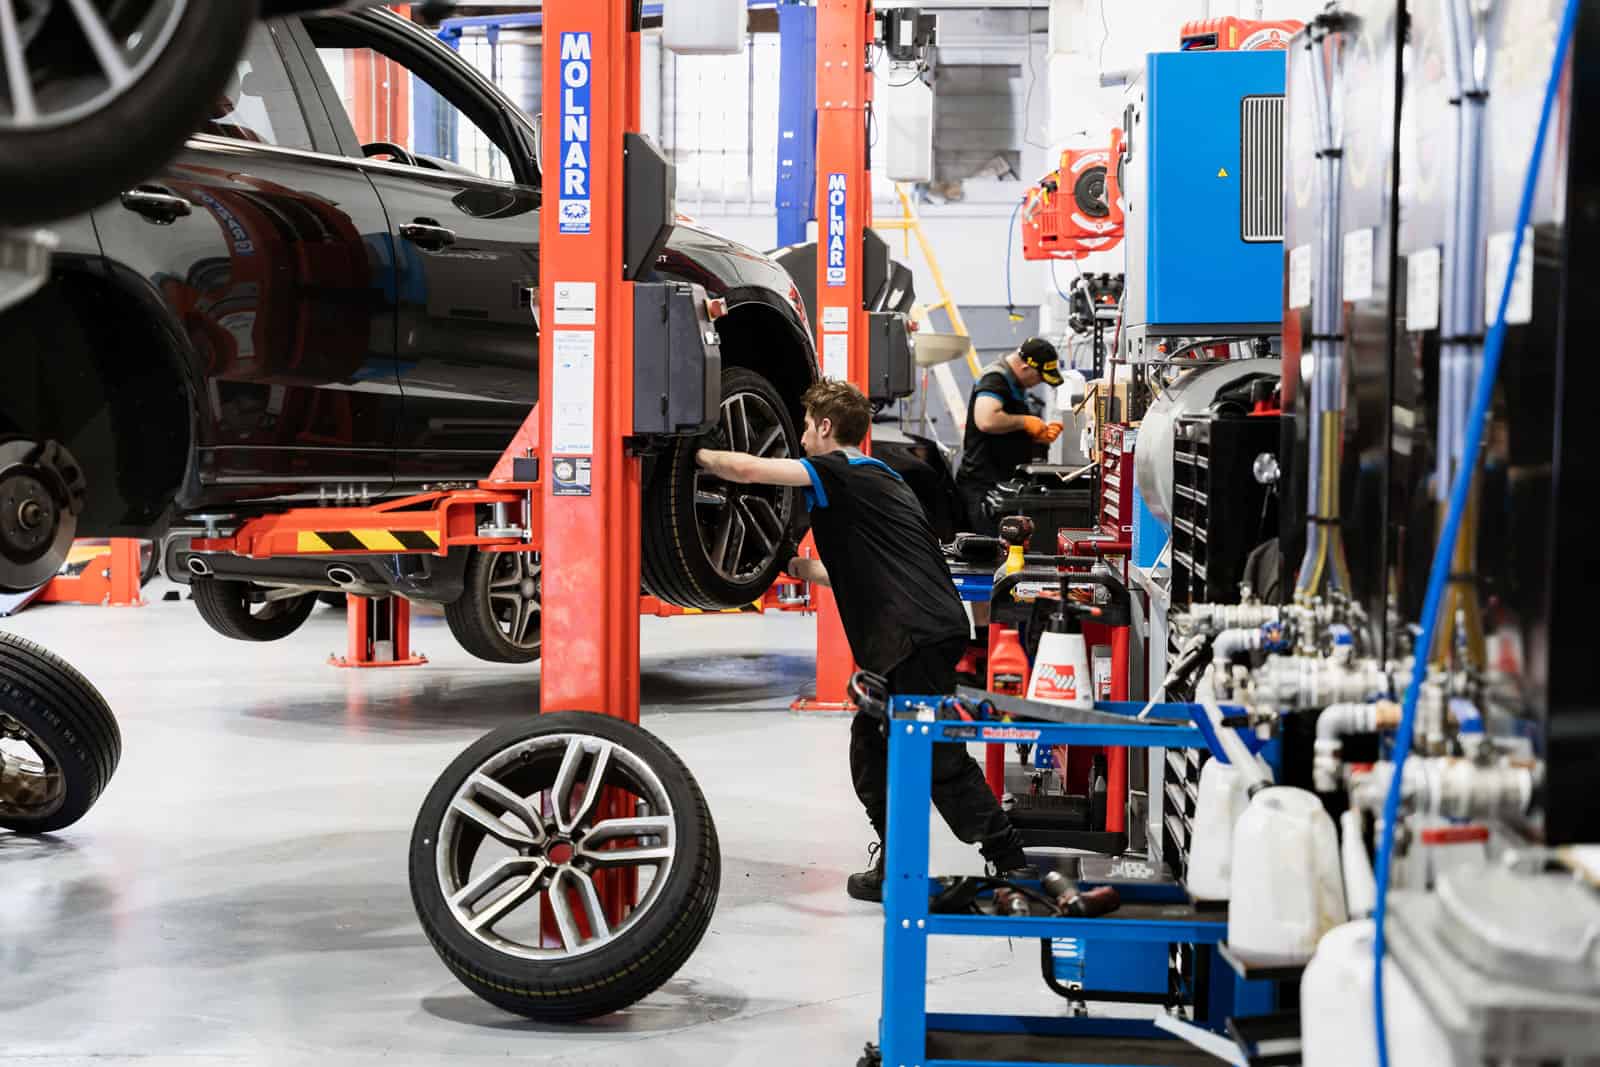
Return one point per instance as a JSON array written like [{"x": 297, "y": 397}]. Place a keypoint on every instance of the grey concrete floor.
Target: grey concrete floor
[{"x": 239, "y": 894}]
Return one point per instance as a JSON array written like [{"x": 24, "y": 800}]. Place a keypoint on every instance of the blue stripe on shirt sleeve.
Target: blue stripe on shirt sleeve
[
  {"x": 991, "y": 392},
  {"x": 816, "y": 496}
]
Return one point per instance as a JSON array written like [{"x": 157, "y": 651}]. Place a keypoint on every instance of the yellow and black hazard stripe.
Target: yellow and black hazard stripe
[
  {"x": 754, "y": 607},
  {"x": 368, "y": 540}
]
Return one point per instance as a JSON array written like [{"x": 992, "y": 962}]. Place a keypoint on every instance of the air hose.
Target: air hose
[{"x": 1439, "y": 575}]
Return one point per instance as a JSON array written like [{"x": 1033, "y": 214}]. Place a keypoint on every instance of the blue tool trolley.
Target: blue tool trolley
[{"x": 909, "y": 1035}]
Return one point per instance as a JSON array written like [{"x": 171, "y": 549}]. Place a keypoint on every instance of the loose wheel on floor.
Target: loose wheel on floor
[
  {"x": 59, "y": 743},
  {"x": 247, "y": 612},
  {"x": 498, "y": 617},
  {"x": 713, "y": 544},
  {"x": 519, "y": 826}
]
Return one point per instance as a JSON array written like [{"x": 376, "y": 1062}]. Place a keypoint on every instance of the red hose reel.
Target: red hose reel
[{"x": 1075, "y": 209}]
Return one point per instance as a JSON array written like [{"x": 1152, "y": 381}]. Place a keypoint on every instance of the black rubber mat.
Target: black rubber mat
[{"x": 1142, "y": 1052}]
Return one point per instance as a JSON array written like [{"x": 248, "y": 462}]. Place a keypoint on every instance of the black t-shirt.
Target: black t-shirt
[
  {"x": 888, "y": 574},
  {"x": 989, "y": 458}
]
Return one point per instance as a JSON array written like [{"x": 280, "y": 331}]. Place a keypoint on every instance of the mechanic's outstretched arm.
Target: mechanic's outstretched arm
[{"x": 753, "y": 470}]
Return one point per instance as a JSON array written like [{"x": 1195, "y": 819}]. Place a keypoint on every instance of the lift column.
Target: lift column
[
  {"x": 844, "y": 209},
  {"x": 589, "y": 485}
]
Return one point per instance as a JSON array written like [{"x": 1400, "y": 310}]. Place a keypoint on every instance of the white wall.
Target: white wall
[{"x": 1088, "y": 37}]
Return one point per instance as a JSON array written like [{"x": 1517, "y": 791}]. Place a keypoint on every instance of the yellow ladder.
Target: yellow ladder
[{"x": 910, "y": 224}]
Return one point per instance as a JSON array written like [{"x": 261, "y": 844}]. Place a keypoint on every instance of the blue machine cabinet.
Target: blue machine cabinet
[
  {"x": 905, "y": 1022},
  {"x": 1203, "y": 184}
]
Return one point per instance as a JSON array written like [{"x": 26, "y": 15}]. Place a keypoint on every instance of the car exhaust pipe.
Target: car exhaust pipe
[
  {"x": 342, "y": 576},
  {"x": 199, "y": 566}
]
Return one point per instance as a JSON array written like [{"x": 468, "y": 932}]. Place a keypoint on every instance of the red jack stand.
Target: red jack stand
[
  {"x": 378, "y": 631},
  {"x": 109, "y": 577}
]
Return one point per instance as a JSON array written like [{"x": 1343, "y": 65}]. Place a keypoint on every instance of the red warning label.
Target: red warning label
[{"x": 1056, "y": 682}]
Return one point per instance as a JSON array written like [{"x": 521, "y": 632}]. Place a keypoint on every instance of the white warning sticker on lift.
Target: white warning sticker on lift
[
  {"x": 836, "y": 356},
  {"x": 835, "y": 318},
  {"x": 572, "y": 393},
  {"x": 1520, "y": 310},
  {"x": 575, "y": 303},
  {"x": 1422, "y": 290},
  {"x": 1358, "y": 265},
  {"x": 1300, "y": 277}
]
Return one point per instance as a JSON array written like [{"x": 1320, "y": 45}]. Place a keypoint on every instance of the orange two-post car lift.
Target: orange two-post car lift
[{"x": 622, "y": 364}]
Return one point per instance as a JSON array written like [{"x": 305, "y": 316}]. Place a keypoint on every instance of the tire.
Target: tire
[
  {"x": 229, "y": 609},
  {"x": 588, "y": 975},
  {"x": 64, "y": 163},
  {"x": 497, "y": 617},
  {"x": 53, "y": 723},
  {"x": 681, "y": 531}
]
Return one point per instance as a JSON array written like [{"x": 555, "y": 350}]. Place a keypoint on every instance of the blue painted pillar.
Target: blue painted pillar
[{"x": 797, "y": 121}]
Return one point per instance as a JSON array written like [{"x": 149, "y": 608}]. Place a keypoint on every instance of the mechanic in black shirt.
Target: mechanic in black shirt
[
  {"x": 1001, "y": 435},
  {"x": 900, "y": 610}
]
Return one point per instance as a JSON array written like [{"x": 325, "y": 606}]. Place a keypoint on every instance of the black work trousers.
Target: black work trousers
[{"x": 959, "y": 790}]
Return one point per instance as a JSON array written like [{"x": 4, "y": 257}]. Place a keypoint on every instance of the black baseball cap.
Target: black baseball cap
[{"x": 1040, "y": 354}]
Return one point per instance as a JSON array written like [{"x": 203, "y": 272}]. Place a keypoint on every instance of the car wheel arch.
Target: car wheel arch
[
  {"x": 85, "y": 323},
  {"x": 760, "y": 337}
]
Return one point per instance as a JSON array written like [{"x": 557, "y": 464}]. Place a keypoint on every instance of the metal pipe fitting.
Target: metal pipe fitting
[
  {"x": 1453, "y": 788},
  {"x": 1230, "y": 643},
  {"x": 199, "y": 566},
  {"x": 1305, "y": 683},
  {"x": 1335, "y": 723}
]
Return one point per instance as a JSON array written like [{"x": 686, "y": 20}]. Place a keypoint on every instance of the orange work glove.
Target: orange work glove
[
  {"x": 1052, "y": 431},
  {"x": 1034, "y": 426}
]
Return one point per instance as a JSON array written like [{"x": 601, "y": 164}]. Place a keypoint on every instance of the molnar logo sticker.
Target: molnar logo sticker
[
  {"x": 838, "y": 189},
  {"x": 577, "y": 59}
]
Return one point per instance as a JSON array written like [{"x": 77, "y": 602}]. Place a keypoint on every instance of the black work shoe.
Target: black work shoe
[
  {"x": 1026, "y": 873},
  {"x": 868, "y": 884},
  {"x": 1014, "y": 867}
]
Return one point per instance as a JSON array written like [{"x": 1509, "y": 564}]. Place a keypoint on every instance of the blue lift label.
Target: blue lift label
[
  {"x": 837, "y": 190},
  {"x": 577, "y": 68}
]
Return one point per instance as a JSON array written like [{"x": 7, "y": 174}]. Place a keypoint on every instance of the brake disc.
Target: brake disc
[{"x": 41, "y": 495}]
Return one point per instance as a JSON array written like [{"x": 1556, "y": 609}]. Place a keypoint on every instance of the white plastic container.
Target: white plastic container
[
  {"x": 705, "y": 27},
  {"x": 905, "y": 109},
  {"x": 1337, "y": 1010},
  {"x": 1061, "y": 673},
  {"x": 1223, "y": 799},
  {"x": 1286, "y": 887}
]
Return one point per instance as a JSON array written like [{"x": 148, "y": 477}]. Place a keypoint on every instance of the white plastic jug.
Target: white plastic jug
[
  {"x": 1337, "y": 1012},
  {"x": 1223, "y": 799},
  {"x": 1286, "y": 889}
]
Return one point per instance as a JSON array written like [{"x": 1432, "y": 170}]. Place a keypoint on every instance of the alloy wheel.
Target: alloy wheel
[
  {"x": 743, "y": 526},
  {"x": 530, "y": 833},
  {"x": 32, "y": 784},
  {"x": 515, "y": 591},
  {"x": 62, "y": 60}
]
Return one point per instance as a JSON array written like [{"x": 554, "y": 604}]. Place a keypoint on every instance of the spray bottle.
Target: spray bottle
[{"x": 1061, "y": 670}]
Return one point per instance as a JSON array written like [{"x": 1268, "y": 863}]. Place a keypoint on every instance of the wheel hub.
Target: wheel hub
[
  {"x": 31, "y": 782},
  {"x": 527, "y": 832},
  {"x": 27, "y": 515}
]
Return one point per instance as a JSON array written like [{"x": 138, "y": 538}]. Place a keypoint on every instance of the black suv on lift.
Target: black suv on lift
[{"x": 285, "y": 315}]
